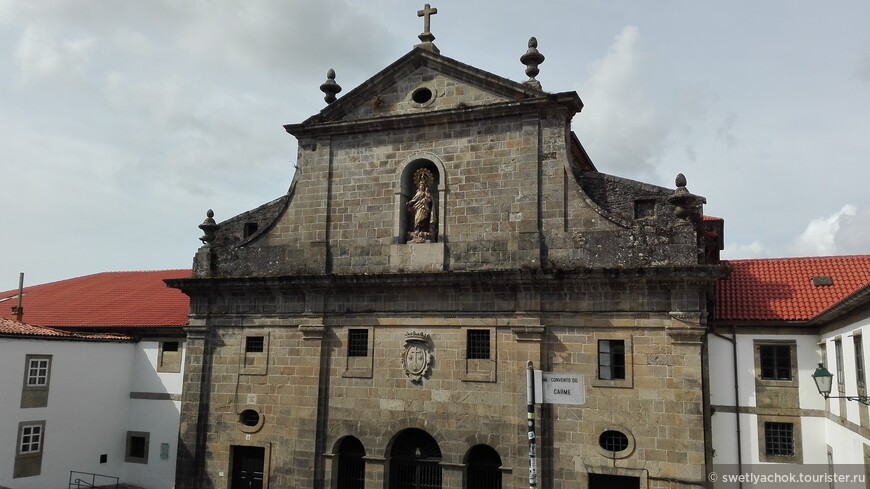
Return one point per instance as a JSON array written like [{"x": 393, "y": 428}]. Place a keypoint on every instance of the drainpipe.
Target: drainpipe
[
  {"x": 19, "y": 309},
  {"x": 733, "y": 341}
]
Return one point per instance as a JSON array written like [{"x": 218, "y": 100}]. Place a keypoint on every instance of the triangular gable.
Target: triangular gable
[{"x": 452, "y": 85}]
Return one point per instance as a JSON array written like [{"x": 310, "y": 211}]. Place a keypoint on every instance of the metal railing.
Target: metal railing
[{"x": 84, "y": 480}]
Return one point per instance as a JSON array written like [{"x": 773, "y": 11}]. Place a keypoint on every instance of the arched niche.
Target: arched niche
[{"x": 406, "y": 188}]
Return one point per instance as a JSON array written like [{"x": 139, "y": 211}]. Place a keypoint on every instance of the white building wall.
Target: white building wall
[
  {"x": 87, "y": 408},
  {"x": 847, "y": 444},
  {"x": 158, "y": 417},
  {"x": 724, "y": 422},
  {"x": 90, "y": 411}
]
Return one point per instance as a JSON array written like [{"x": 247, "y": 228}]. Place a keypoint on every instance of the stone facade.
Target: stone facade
[{"x": 533, "y": 255}]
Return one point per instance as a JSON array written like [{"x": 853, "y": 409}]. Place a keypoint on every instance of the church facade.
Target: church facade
[{"x": 444, "y": 227}]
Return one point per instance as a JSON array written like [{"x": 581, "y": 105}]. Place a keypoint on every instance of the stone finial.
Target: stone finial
[
  {"x": 532, "y": 59},
  {"x": 687, "y": 205},
  {"x": 209, "y": 228},
  {"x": 330, "y": 87}
]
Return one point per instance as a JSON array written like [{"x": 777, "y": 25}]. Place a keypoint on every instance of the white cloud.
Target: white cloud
[
  {"x": 853, "y": 236},
  {"x": 820, "y": 236},
  {"x": 619, "y": 124},
  {"x": 40, "y": 54},
  {"x": 745, "y": 251}
]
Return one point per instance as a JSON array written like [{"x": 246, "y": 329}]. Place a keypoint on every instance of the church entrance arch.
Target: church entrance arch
[{"x": 415, "y": 461}]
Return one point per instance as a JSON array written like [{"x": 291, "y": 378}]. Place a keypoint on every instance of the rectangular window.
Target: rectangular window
[
  {"x": 254, "y": 344},
  {"x": 358, "y": 343},
  {"x": 477, "y": 344},
  {"x": 169, "y": 356},
  {"x": 137, "y": 447},
  {"x": 29, "y": 449},
  {"x": 859, "y": 360},
  {"x": 779, "y": 439},
  {"x": 775, "y": 362},
  {"x": 37, "y": 377},
  {"x": 611, "y": 359},
  {"x": 838, "y": 351},
  {"x": 31, "y": 439},
  {"x": 37, "y": 372}
]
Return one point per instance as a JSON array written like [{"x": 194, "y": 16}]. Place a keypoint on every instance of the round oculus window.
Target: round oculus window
[
  {"x": 613, "y": 441},
  {"x": 249, "y": 417},
  {"x": 422, "y": 95}
]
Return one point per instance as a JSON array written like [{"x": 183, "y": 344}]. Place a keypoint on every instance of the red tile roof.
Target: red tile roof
[
  {"x": 782, "y": 289},
  {"x": 14, "y": 328},
  {"x": 110, "y": 299}
]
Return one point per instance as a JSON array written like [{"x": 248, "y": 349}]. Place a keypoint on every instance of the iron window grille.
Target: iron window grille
[
  {"x": 254, "y": 344},
  {"x": 613, "y": 441},
  {"x": 477, "y": 345},
  {"x": 358, "y": 343},
  {"x": 859, "y": 360},
  {"x": 779, "y": 439}
]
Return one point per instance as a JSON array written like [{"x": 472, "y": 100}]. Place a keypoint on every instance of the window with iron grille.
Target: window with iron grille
[
  {"x": 779, "y": 439},
  {"x": 254, "y": 344},
  {"x": 37, "y": 372},
  {"x": 477, "y": 345},
  {"x": 611, "y": 359},
  {"x": 775, "y": 361},
  {"x": 613, "y": 441},
  {"x": 859, "y": 360},
  {"x": 31, "y": 439},
  {"x": 358, "y": 343}
]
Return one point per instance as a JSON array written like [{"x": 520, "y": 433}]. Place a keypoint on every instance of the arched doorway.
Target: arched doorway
[
  {"x": 350, "y": 472},
  {"x": 482, "y": 465},
  {"x": 415, "y": 461}
]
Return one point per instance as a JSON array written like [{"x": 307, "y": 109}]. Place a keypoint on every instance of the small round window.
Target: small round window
[
  {"x": 249, "y": 417},
  {"x": 613, "y": 441},
  {"x": 422, "y": 95}
]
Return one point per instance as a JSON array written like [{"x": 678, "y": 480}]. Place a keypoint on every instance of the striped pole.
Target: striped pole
[{"x": 530, "y": 395}]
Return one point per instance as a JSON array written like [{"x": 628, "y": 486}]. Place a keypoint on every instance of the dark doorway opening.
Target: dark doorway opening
[
  {"x": 482, "y": 468},
  {"x": 415, "y": 461},
  {"x": 351, "y": 470},
  {"x": 247, "y": 470},
  {"x": 602, "y": 481}
]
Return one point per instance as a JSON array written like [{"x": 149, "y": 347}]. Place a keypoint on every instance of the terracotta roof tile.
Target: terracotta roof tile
[
  {"x": 109, "y": 299},
  {"x": 14, "y": 328},
  {"x": 782, "y": 289}
]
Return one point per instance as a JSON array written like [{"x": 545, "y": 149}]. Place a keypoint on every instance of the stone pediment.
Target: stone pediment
[{"x": 419, "y": 83}]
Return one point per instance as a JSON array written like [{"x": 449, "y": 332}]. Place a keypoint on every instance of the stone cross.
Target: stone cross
[{"x": 426, "y": 13}]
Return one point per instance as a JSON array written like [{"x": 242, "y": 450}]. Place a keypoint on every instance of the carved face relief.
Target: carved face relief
[{"x": 417, "y": 357}]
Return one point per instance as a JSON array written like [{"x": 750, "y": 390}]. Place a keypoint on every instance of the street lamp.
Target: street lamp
[{"x": 824, "y": 380}]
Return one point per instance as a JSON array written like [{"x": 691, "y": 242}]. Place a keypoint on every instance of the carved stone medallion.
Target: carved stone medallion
[{"x": 417, "y": 357}]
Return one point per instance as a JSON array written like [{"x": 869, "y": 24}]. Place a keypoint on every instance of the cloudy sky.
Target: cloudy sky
[{"x": 122, "y": 122}]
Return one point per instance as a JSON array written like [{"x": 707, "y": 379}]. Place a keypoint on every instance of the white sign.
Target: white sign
[{"x": 559, "y": 388}]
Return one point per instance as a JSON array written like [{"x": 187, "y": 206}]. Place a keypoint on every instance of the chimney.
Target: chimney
[{"x": 19, "y": 309}]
